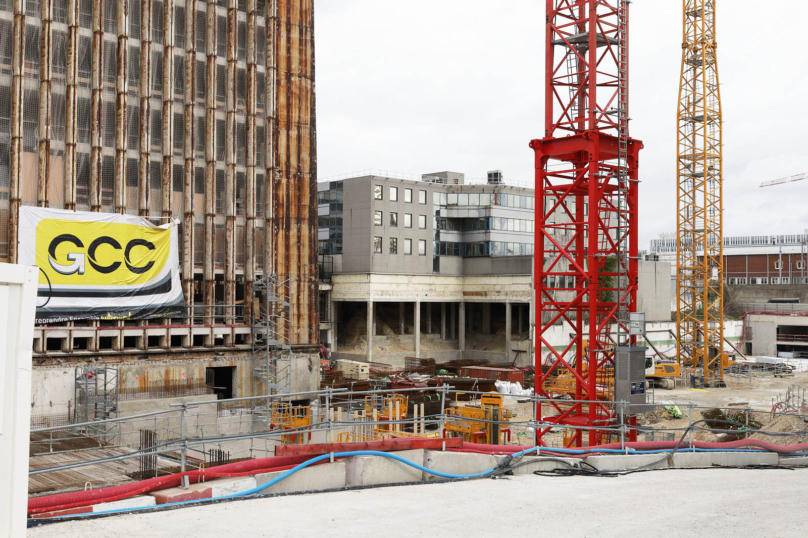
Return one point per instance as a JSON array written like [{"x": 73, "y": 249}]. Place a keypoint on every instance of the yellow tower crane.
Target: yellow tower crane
[{"x": 699, "y": 229}]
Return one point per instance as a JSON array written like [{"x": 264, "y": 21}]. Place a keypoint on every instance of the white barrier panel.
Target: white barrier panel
[{"x": 17, "y": 307}]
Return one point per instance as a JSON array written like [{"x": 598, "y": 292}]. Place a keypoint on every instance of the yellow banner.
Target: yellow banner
[{"x": 100, "y": 254}]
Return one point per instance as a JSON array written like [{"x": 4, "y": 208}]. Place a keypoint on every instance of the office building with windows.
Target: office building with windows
[{"x": 425, "y": 266}]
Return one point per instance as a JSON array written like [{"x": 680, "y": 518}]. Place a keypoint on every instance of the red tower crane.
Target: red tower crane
[
  {"x": 789, "y": 179},
  {"x": 586, "y": 232}
]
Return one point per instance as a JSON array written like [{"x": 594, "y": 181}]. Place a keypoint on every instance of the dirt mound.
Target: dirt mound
[{"x": 791, "y": 430}]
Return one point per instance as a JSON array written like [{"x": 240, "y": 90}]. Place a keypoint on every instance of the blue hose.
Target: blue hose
[
  {"x": 324, "y": 457},
  {"x": 300, "y": 467}
]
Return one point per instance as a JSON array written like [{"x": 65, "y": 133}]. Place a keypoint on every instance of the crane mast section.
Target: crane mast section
[{"x": 700, "y": 268}]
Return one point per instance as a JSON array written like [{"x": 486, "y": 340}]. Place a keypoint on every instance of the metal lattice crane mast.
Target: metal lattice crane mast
[
  {"x": 700, "y": 268},
  {"x": 586, "y": 232}
]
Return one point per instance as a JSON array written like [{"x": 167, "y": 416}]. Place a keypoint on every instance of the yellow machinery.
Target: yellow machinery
[
  {"x": 284, "y": 416},
  {"x": 479, "y": 424},
  {"x": 662, "y": 372},
  {"x": 699, "y": 202}
]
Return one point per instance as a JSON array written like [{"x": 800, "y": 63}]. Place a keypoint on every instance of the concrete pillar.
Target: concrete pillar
[
  {"x": 452, "y": 324},
  {"x": 370, "y": 327},
  {"x": 443, "y": 321},
  {"x": 486, "y": 328},
  {"x": 462, "y": 325},
  {"x": 508, "y": 330},
  {"x": 469, "y": 318},
  {"x": 334, "y": 324},
  {"x": 401, "y": 318},
  {"x": 417, "y": 331},
  {"x": 428, "y": 318}
]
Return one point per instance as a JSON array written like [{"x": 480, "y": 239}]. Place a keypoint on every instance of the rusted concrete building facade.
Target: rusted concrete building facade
[{"x": 186, "y": 109}]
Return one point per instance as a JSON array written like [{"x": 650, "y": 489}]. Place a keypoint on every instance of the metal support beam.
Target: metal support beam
[
  {"x": 249, "y": 231},
  {"x": 271, "y": 131},
  {"x": 168, "y": 109},
  {"x": 96, "y": 106},
  {"x": 17, "y": 79},
  {"x": 144, "y": 158},
  {"x": 71, "y": 103},
  {"x": 210, "y": 158},
  {"x": 45, "y": 102},
  {"x": 122, "y": 91},
  {"x": 230, "y": 131},
  {"x": 189, "y": 148}
]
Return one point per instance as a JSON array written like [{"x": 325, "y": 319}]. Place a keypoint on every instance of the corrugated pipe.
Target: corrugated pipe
[{"x": 63, "y": 501}]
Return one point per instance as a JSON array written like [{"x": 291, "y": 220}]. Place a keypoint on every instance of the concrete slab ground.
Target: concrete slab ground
[{"x": 709, "y": 502}]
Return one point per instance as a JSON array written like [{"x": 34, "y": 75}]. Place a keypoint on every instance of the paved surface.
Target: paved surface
[{"x": 713, "y": 503}]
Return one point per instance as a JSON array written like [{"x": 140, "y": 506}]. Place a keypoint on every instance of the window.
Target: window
[
  {"x": 800, "y": 265},
  {"x": 377, "y": 218},
  {"x": 422, "y": 197},
  {"x": 394, "y": 194},
  {"x": 422, "y": 247},
  {"x": 408, "y": 247},
  {"x": 393, "y": 219},
  {"x": 778, "y": 265},
  {"x": 378, "y": 192},
  {"x": 408, "y": 220},
  {"x": 393, "y": 245},
  {"x": 408, "y": 196},
  {"x": 422, "y": 222},
  {"x": 377, "y": 245}
]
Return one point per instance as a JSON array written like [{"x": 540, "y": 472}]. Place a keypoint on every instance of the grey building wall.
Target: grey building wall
[
  {"x": 764, "y": 338},
  {"x": 654, "y": 290}
]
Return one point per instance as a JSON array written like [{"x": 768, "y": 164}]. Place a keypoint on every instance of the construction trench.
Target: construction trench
[{"x": 205, "y": 112}]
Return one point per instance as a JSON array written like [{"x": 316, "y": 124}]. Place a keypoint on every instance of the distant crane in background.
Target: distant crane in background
[{"x": 789, "y": 179}]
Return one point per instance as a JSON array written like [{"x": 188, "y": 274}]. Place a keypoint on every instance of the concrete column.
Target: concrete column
[
  {"x": 469, "y": 318},
  {"x": 417, "y": 331},
  {"x": 428, "y": 318},
  {"x": 401, "y": 318},
  {"x": 334, "y": 325},
  {"x": 486, "y": 328},
  {"x": 452, "y": 324},
  {"x": 374, "y": 321},
  {"x": 508, "y": 330},
  {"x": 370, "y": 328},
  {"x": 443, "y": 321},
  {"x": 462, "y": 325}
]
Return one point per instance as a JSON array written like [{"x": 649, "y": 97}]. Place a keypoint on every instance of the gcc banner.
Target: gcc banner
[{"x": 101, "y": 265}]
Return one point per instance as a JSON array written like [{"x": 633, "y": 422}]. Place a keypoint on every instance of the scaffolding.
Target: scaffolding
[
  {"x": 700, "y": 264},
  {"x": 96, "y": 396},
  {"x": 271, "y": 337}
]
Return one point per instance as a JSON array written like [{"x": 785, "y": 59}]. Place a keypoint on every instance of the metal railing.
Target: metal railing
[{"x": 187, "y": 431}]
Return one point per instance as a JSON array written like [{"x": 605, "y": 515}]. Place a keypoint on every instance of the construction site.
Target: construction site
[{"x": 199, "y": 328}]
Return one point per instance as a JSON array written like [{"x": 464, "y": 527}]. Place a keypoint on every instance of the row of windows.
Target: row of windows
[
  {"x": 378, "y": 220},
  {"x": 333, "y": 194},
  {"x": 485, "y": 223},
  {"x": 482, "y": 199},
  {"x": 483, "y": 249},
  {"x": 392, "y": 248},
  {"x": 378, "y": 194},
  {"x": 742, "y": 281}
]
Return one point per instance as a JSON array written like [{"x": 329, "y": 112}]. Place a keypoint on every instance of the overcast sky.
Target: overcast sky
[{"x": 429, "y": 85}]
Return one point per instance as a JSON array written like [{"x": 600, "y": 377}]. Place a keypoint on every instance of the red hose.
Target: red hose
[
  {"x": 652, "y": 445},
  {"x": 75, "y": 499},
  {"x": 64, "y": 501}
]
